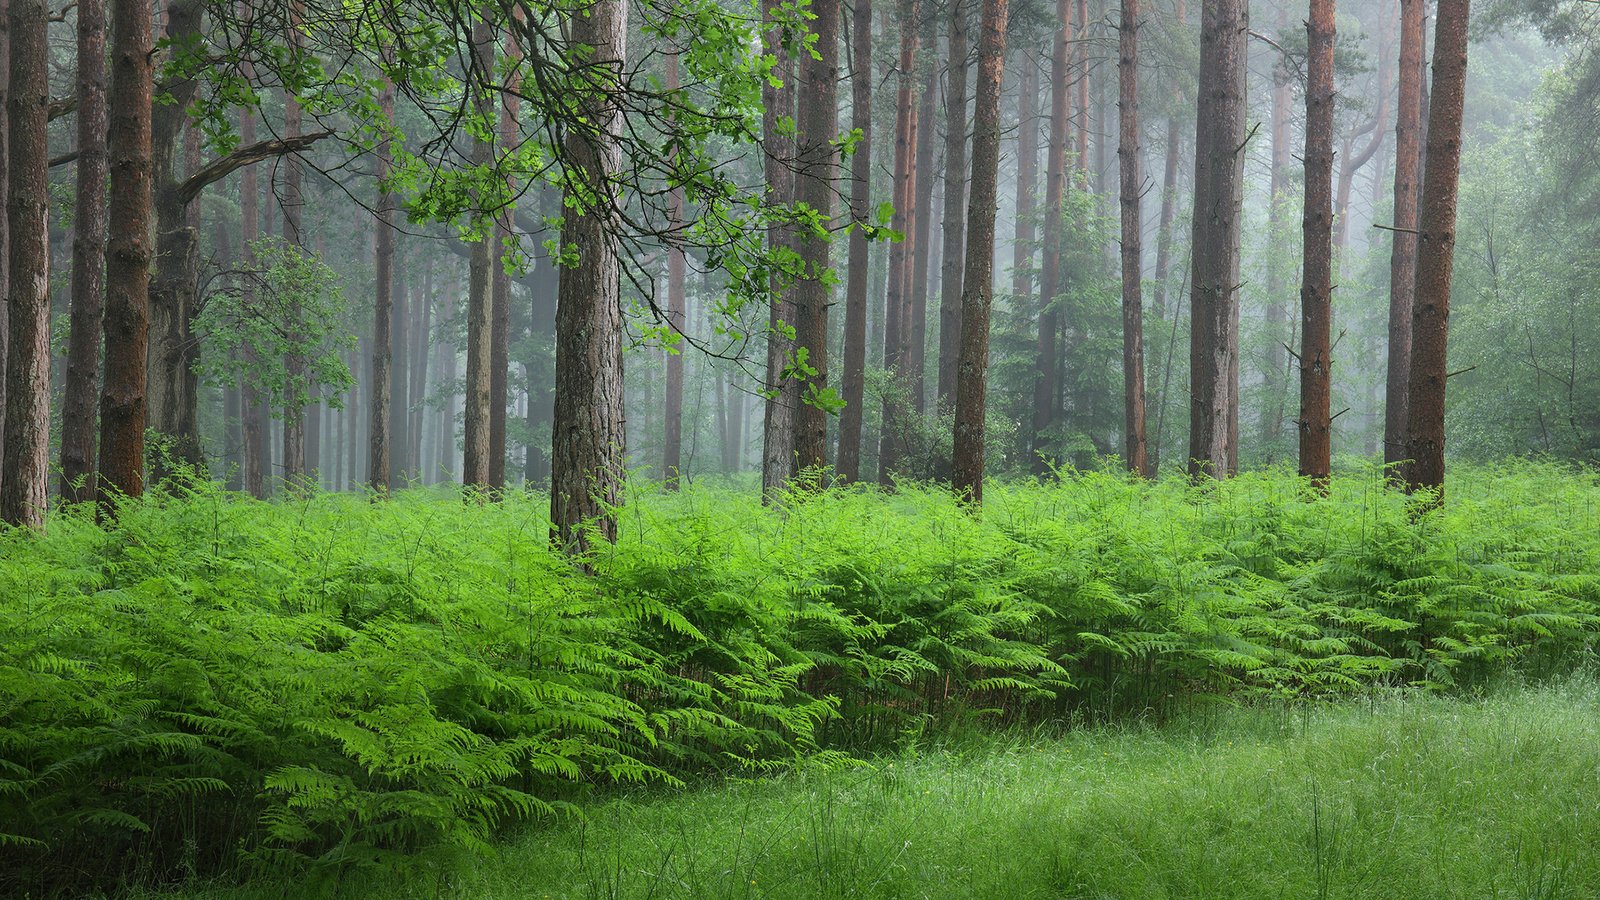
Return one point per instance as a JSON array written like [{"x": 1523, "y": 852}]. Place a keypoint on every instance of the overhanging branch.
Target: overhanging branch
[{"x": 244, "y": 156}]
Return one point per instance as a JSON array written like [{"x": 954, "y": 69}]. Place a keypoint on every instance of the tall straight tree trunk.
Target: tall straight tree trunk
[
  {"x": 897, "y": 300},
  {"x": 500, "y": 300},
  {"x": 1275, "y": 373},
  {"x": 5, "y": 243},
  {"x": 1055, "y": 180},
  {"x": 1218, "y": 201},
  {"x": 1316, "y": 290},
  {"x": 848, "y": 461},
  {"x": 476, "y": 451},
  {"x": 294, "y": 414},
  {"x": 27, "y": 411},
  {"x": 1430, "y": 319},
  {"x": 815, "y": 187},
  {"x": 586, "y": 480},
  {"x": 127, "y": 313},
  {"x": 256, "y": 419},
  {"x": 1403, "y": 253},
  {"x": 88, "y": 260},
  {"x": 677, "y": 273},
  {"x": 922, "y": 212},
  {"x": 1128, "y": 154},
  {"x": 777, "y": 432},
  {"x": 955, "y": 205},
  {"x": 1082, "y": 146},
  {"x": 417, "y": 391},
  {"x": 977, "y": 293},
  {"x": 379, "y": 437},
  {"x": 1022, "y": 243}
]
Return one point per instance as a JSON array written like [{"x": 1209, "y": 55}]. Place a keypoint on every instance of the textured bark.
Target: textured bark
[
  {"x": 977, "y": 294},
  {"x": 88, "y": 260},
  {"x": 589, "y": 441},
  {"x": 5, "y": 244},
  {"x": 922, "y": 213},
  {"x": 853, "y": 387},
  {"x": 294, "y": 414},
  {"x": 256, "y": 415},
  {"x": 379, "y": 436},
  {"x": 672, "y": 450},
  {"x": 500, "y": 302},
  {"x": 1022, "y": 244},
  {"x": 777, "y": 431},
  {"x": 897, "y": 299},
  {"x": 955, "y": 205},
  {"x": 480, "y": 314},
  {"x": 1055, "y": 180},
  {"x": 542, "y": 319},
  {"x": 27, "y": 374},
  {"x": 1316, "y": 288},
  {"x": 1129, "y": 154},
  {"x": 1218, "y": 198},
  {"x": 1275, "y": 374},
  {"x": 1430, "y": 320},
  {"x": 1403, "y": 253},
  {"x": 815, "y": 187}
]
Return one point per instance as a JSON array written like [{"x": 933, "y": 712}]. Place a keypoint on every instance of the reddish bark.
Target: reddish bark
[
  {"x": 1316, "y": 289},
  {"x": 853, "y": 387},
  {"x": 1403, "y": 253}
]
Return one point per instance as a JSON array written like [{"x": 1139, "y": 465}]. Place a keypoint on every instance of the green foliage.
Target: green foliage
[{"x": 329, "y": 684}]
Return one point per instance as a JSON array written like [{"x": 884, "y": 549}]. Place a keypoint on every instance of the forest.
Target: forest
[{"x": 782, "y": 448}]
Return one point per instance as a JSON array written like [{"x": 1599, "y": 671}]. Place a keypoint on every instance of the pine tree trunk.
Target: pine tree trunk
[
  {"x": 500, "y": 300},
  {"x": 672, "y": 452},
  {"x": 1082, "y": 54},
  {"x": 379, "y": 434},
  {"x": 1218, "y": 199},
  {"x": 853, "y": 387},
  {"x": 256, "y": 415},
  {"x": 1430, "y": 320},
  {"x": 815, "y": 187},
  {"x": 480, "y": 314},
  {"x": 777, "y": 431},
  {"x": 1022, "y": 244},
  {"x": 922, "y": 212},
  {"x": 1275, "y": 372},
  {"x": 1129, "y": 154},
  {"x": 294, "y": 414},
  {"x": 1316, "y": 290},
  {"x": 417, "y": 390},
  {"x": 977, "y": 294},
  {"x": 5, "y": 243},
  {"x": 88, "y": 260},
  {"x": 955, "y": 205},
  {"x": 589, "y": 442},
  {"x": 1055, "y": 180},
  {"x": 1403, "y": 253},
  {"x": 897, "y": 302},
  {"x": 27, "y": 411}
]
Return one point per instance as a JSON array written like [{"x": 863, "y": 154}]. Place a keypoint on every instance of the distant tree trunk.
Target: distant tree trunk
[
  {"x": 1023, "y": 240},
  {"x": 977, "y": 293},
  {"x": 542, "y": 317},
  {"x": 127, "y": 313},
  {"x": 1275, "y": 372},
  {"x": 1403, "y": 253},
  {"x": 88, "y": 260},
  {"x": 1169, "y": 216},
  {"x": 672, "y": 455},
  {"x": 480, "y": 314},
  {"x": 1218, "y": 199},
  {"x": 417, "y": 392},
  {"x": 27, "y": 412},
  {"x": 1128, "y": 154},
  {"x": 897, "y": 301},
  {"x": 815, "y": 187},
  {"x": 848, "y": 463},
  {"x": 1316, "y": 290},
  {"x": 777, "y": 432},
  {"x": 955, "y": 205},
  {"x": 500, "y": 300},
  {"x": 1430, "y": 320},
  {"x": 1082, "y": 146},
  {"x": 294, "y": 414},
  {"x": 1055, "y": 180},
  {"x": 922, "y": 213},
  {"x": 589, "y": 443},
  {"x": 1352, "y": 163},
  {"x": 256, "y": 420},
  {"x": 379, "y": 438}
]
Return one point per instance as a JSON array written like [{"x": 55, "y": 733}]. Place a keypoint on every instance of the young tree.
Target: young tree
[
  {"x": 977, "y": 292},
  {"x": 816, "y": 176},
  {"x": 1316, "y": 290},
  {"x": 1055, "y": 182},
  {"x": 1218, "y": 202},
  {"x": 1430, "y": 319},
  {"x": 848, "y": 462},
  {"x": 88, "y": 260},
  {"x": 1403, "y": 253},
  {"x": 27, "y": 411},
  {"x": 1129, "y": 153}
]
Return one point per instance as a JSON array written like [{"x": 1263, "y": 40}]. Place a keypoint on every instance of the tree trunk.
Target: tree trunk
[
  {"x": 815, "y": 187},
  {"x": 1082, "y": 54},
  {"x": 480, "y": 314},
  {"x": 294, "y": 414},
  {"x": 88, "y": 260},
  {"x": 1055, "y": 180},
  {"x": 922, "y": 213},
  {"x": 1403, "y": 253},
  {"x": 1218, "y": 201},
  {"x": 897, "y": 301},
  {"x": 257, "y": 422},
  {"x": 955, "y": 204},
  {"x": 977, "y": 292},
  {"x": 1430, "y": 320},
  {"x": 588, "y": 448},
  {"x": 672, "y": 451},
  {"x": 1316, "y": 290},
  {"x": 1275, "y": 374},
  {"x": 777, "y": 432},
  {"x": 1023, "y": 239},
  {"x": 500, "y": 299},
  {"x": 1128, "y": 155},
  {"x": 5, "y": 244},
  {"x": 848, "y": 461},
  {"x": 27, "y": 411},
  {"x": 417, "y": 390},
  {"x": 379, "y": 436}
]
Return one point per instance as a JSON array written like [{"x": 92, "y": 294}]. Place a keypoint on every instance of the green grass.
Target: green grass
[{"x": 1402, "y": 795}]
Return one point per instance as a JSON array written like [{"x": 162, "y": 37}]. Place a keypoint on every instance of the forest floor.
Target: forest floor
[{"x": 1396, "y": 794}]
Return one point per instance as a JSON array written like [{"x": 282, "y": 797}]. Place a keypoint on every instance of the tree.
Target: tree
[
  {"x": 380, "y": 437},
  {"x": 1316, "y": 290},
  {"x": 477, "y": 448},
  {"x": 1275, "y": 371},
  {"x": 499, "y": 302},
  {"x": 672, "y": 450},
  {"x": 816, "y": 174},
  {"x": 977, "y": 292},
  {"x": 848, "y": 462},
  {"x": 1055, "y": 181},
  {"x": 1218, "y": 202},
  {"x": 777, "y": 430},
  {"x": 1128, "y": 155},
  {"x": 27, "y": 411},
  {"x": 1403, "y": 253},
  {"x": 295, "y": 472},
  {"x": 1430, "y": 318},
  {"x": 5, "y": 243},
  {"x": 902, "y": 255},
  {"x": 955, "y": 205},
  {"x": 88, "y": 260}
]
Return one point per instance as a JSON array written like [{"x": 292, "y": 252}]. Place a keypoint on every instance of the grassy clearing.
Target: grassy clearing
[{"x": 1405, "y": 795}]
